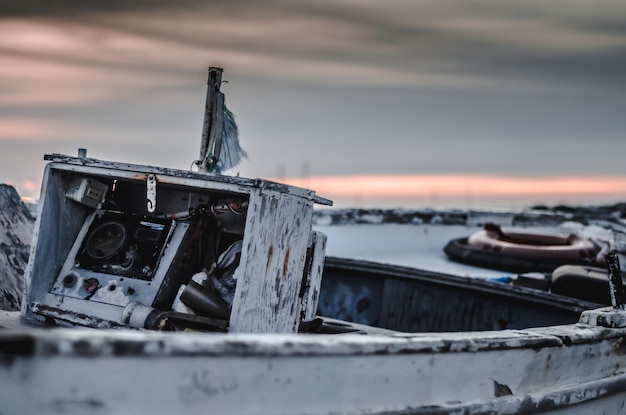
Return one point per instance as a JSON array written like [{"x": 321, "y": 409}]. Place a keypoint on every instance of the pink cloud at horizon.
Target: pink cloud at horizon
[{"x": 459, "y": 185}]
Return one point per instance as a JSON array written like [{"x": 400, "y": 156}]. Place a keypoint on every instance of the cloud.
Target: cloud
[
  {"x": 104, "y": 48},
  {"x": 71, "y": 8},
  {"x": 353, "y": 86},
  {"x": 37, "y": 129}
]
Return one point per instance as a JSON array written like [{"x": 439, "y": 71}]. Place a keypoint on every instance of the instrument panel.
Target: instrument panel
[
  {"x": 123, "y": 245},
  {"x": 119, "y": 258}
]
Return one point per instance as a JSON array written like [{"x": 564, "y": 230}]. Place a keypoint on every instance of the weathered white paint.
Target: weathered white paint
[
  {"x": 313, "y": 276},
  {"x": 604, "y": 317},
  {"x": 174, "y": 176},
  {"x": 268, "y": 296},
  {"x": 571, "y": 369},
  {"x": 269, "y": 277}
]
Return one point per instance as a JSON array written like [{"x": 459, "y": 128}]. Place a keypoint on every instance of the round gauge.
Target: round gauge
[{"x": 106, "y": 240}]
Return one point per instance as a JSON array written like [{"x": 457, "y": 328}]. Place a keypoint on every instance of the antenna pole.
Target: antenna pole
[{"x": 212, "y": 131}]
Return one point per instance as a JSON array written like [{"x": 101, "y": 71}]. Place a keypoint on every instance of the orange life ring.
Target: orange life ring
[{"x": 541, "y": 246}]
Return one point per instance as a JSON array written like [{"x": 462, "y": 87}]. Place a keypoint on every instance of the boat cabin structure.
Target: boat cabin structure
[{"x": 118, "y": 244}]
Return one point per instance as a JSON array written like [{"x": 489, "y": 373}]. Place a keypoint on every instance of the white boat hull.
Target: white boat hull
[{"x": 553, "y": 370}]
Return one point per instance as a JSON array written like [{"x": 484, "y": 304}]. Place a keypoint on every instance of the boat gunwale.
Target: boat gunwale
[{"x": 88, "y": 343}]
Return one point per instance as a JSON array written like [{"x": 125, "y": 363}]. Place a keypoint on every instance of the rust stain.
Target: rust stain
[
  {"x": 270, "y": 254},
  {"x": 619, "y": 347},
  {"x": 286, "y": 263}
]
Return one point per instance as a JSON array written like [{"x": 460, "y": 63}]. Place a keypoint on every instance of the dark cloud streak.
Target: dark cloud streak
[
  {"x": 71, "y": 8},
  {"x": 428, "y": 43}
]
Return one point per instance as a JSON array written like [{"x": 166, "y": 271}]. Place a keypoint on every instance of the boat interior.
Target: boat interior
[{"x": 415, "y": 300}]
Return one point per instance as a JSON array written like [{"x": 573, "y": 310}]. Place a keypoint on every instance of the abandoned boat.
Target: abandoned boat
[
  {"x": 153, "y": 290},
  {"x": 520, "y": 251}
]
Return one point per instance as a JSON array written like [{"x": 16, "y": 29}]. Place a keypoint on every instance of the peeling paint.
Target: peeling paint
[
  {"x": 285, "y": 263},
  {"x": 279, "y": 373},
  {"x": 500, "y": 389},
  {"x": 270, "y": 254}
]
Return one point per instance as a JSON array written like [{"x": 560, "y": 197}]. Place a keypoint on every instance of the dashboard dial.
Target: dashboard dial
[{"x": 106, "y": 240}]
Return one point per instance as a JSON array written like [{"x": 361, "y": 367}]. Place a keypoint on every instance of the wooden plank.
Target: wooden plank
[
  {"x": 313, "y": 276},
  {"x": 272, "y": 263}
]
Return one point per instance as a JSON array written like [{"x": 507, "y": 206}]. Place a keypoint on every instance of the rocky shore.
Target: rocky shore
[{"x": 16, "y": 228}]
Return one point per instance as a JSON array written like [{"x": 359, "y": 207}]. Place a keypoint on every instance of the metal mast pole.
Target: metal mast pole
[{"x": 212, "y": 131}]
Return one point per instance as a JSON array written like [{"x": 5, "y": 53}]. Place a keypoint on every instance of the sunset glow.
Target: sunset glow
[{"x": 476, "y": 187}]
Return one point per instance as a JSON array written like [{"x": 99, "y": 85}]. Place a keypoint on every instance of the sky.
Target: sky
[{"x": 401, "y": 103}]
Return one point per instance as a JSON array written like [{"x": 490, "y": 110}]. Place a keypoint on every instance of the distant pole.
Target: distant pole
[{"x": 306, "y": 174}]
